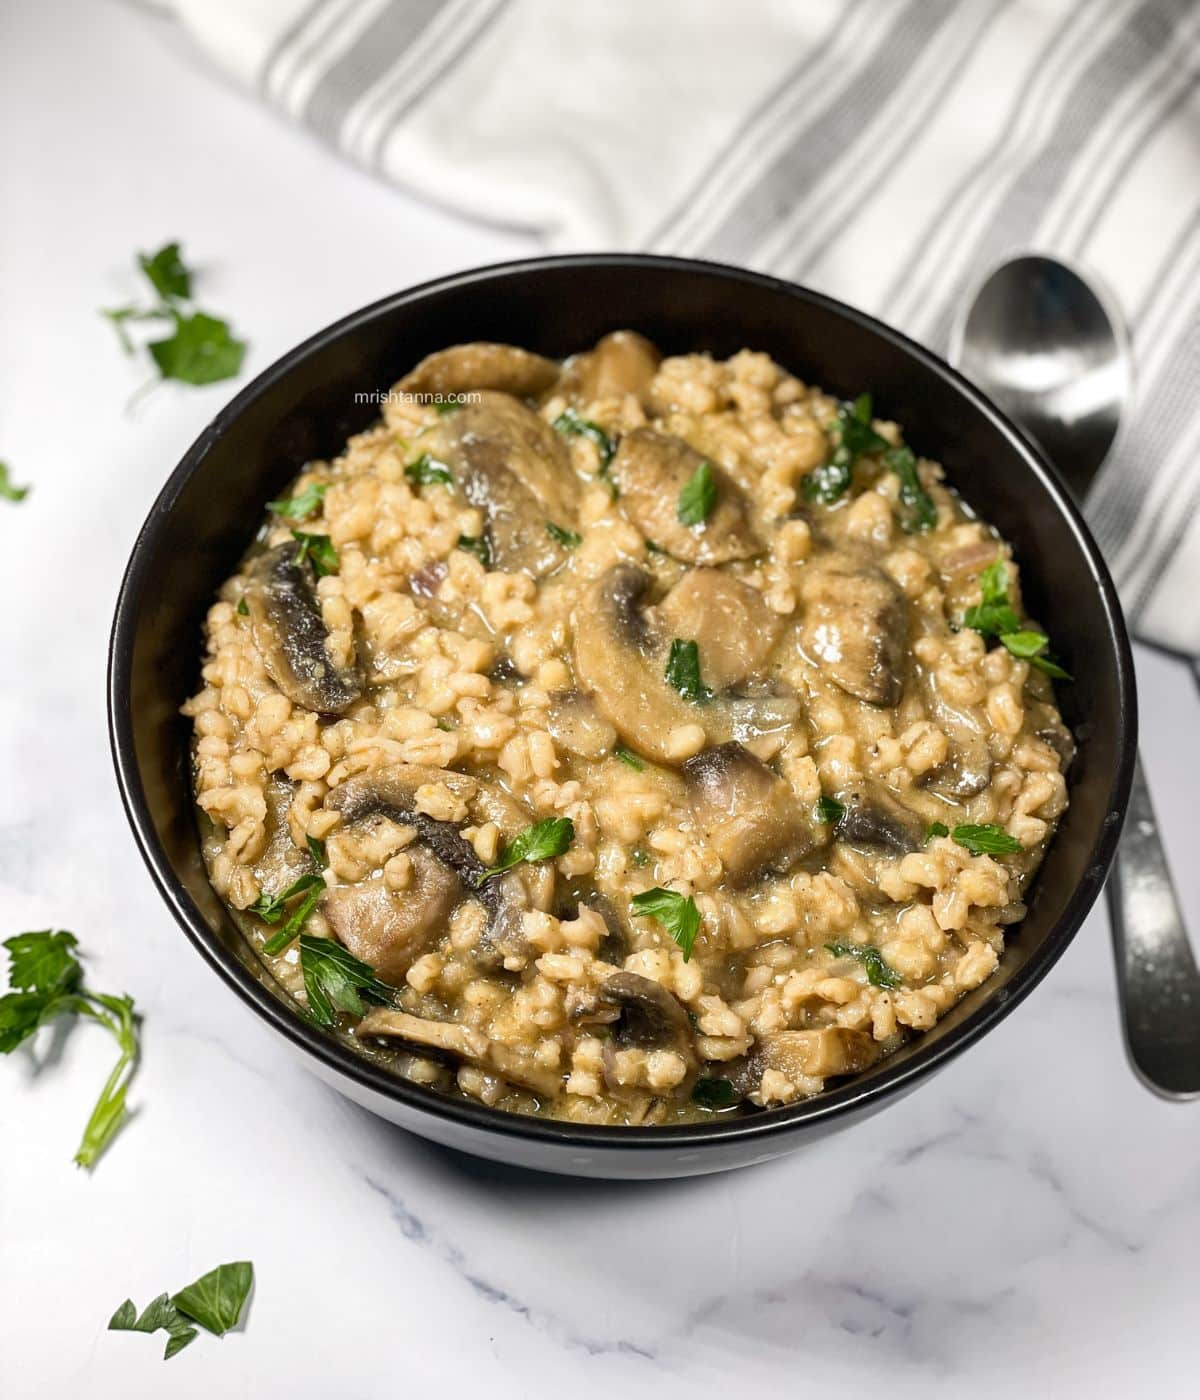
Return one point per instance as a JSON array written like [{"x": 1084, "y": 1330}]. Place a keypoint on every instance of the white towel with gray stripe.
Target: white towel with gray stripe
[{"x": 884, "y": 151}]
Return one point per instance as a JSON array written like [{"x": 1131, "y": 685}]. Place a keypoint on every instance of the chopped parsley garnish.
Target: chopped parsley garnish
[
  {"x": 242, "y": 609},
  {"x": 569, "y": 539},
  {"x": 479, "y": 547},
  {"x": 879, "y": 974},
  {"x": 629, "y": 758},
  {"x": 920, "y": 513},
  {"x": 336, "y": 980},
  {"x": 214, "y": 1302},
  {"x": 428, "y": 471},
  {"x": 47, "y": 981},
  {"x": 320, "y": 550},
  {"x": 542, "y": 841},
  {"x": 201, "y": 349},
  {"x": 675, "y": 912},
  {"x": 829, "y": 810},
  {"x": 298, "y": 918},
  {"x": 698, "y": 497},
  {"x": 9, "y": 490},
  {"x": 449, "y": 405},
  {"x": 994, "y": 616},
  {"x": 316, "y": 849},
  {"x": 714, "y": 1093},
  {"x": 986, "y": 840},
  {"x": 936, "y": 829},
  {"x": 683, "y": 672},
  {"x": 831, "y": 479},
  {"x": 270, "y": 907},
  {"x": 571, "y": 424},
  {"x": 302, "y": 504}
]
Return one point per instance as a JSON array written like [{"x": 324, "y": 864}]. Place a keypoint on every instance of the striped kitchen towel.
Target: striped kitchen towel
[{"x": 885, "y": 151}]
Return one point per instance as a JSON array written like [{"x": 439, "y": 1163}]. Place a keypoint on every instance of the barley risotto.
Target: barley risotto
[{"x": 625, "y": 740}]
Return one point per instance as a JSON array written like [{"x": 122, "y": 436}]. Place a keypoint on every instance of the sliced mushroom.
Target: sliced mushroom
[
  {"x": 577, "y": 726},
  {"x": 281, "y": 861},
  {"x": 855, "y": 628},
  {"x": 620, "y": 653},
  {"x": 621, "y": 363},
  {"x": 461, "y": 1043},
  {"x": 649, "y": 1018},
  {"x": 817, "y": 1053},
  {"x": 291, "y": 635},
  {"x": 651, "y": 469},
  {"x": 390, "y": 929},
  {"x": 481, "y": 364},
  {"x": 874, "y": 818},
  {"x": 748, "y": 814},
  {"x": 517, "y": 470},
  {"x": 731, "y": 621},
  {"x": 968, "y": 770}
]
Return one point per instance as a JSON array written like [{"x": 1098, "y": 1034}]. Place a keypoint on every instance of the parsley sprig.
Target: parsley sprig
[
  {"x": 271, "y": 908},
  {"x": 698, "y": 496},
  {"x": 878, "y": 971},
  {"x": 319, "y": 550},
  {"x": 683, "y": 672},
  {"x": 919, "y": 512},
  {"x": 676, "y": 913},
  {"x": 828, "y": 810},
  {"x": 302, "y": 504},
  {"x": 201, "y": 348},
  {"x": 831, "y": 480},
  {"x": 47, "y": 981},
  {"x": 335, "y": 980},
  {"x": 478, "y": 546},
  {"x": 994, "y": 616},
  {"x": 214, "y": 1302},
  {"x": 9, "y": 490},
  {"x": 542, "y": 841},
  {"x": 569, "y": 539},
  {"x": 572, "y": 424},
  {"x": 428, "y": 471},
  {"x": 986, "y": 840}
]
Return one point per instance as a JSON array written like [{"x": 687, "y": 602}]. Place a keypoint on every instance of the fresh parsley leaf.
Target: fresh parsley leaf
[
  {"x": 571, "y": 424},
  {"x": 714, "y": 1093},
  {"x": 994, "y": 616},
  {"x": 1025, "y": 643},
  {"x": 1051, "y": 668},
  {"x": 879, "y": 974},
  {"x": 542, "y": 841},
  {"x": 242, "y": 609},
  {"x": 831, "y": 479},
  {"x": 201, "y": 351},
  {"x": 683, "y": 672},
  {"x": 428, "y": 471},
  {"x": 698, "y": 496},
  {"x": 118, "y": 315},
  {"x": 167, "y": 273},
  {"x": 320, "y": 550},
  {"x": 479, "y": 547},
  {"x": 829, "y": 810},
  {"x": 302, "y": 504},
  {"x": 920, "y": 512},
  {"x": 9, "y": 490},
  {"x": 677, "y": 914},
  {"x": 160, "y": 1315},
  {"x": 336, "y": 980},
  {"x": 567, "y": 538},
  {"x": 316, "y": 849},
  {"x": 298, "y": 917},
  {"x": 270, "y": 907},
  {"x": 989, "y": 839},
  {"x": 936, "y": 829},
  {"x": 46, "y": 977},
  {"x": 217, "y": 1298},
  {"x": 628, "y": 757}
]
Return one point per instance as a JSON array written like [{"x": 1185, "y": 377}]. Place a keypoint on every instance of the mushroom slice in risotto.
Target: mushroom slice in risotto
[
  {"x": 291, "y": 635},
  {"x": 621, "y": 363},
  {"x": 651, "y": 470},
  {"x": 481, "y": 364},
  {"x": 730, "y": 621},
  {"x": 815, "y": 1054},
  {"x": 748, "y": 815},
  {"x": 873, "y": 817},
  {"x": 856, "y": 629},
  {"x": 649, "y": 1018},
  {"x": 516, "y": 469},
  {"x": 390, "y": 929}
]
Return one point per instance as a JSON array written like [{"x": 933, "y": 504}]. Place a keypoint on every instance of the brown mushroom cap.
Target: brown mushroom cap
[
  {"x": 291, "y": 635},
  {"x": 517, "y": 470},
  {"x": 819, "y": 1053},
  {"x": 620, "y": 363},
  {"x": 873, "y": 817},
  {"x": 730, "y": 621},
  {"x": 649, "y": 1018},
  {"x": 856, "y": 630},
  {"x": 481, "y": 364},
  {"x": 749, "y": 815},
  {"x": 651, "y": 469}
]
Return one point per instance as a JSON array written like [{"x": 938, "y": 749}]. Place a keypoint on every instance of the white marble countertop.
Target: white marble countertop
[{"x": 1029, "y": 1221}]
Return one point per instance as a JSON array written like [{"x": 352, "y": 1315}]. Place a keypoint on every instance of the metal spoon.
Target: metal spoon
[{"x": 1041, "y": 342}]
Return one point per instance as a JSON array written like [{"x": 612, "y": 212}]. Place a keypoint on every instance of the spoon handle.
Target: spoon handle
[{"x": 1160, "y": 984}]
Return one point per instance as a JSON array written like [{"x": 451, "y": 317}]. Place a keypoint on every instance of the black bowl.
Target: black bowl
[{"x": 305, "y": 406}]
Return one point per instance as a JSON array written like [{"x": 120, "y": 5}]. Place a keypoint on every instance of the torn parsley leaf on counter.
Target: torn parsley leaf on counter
[
  {"x": 986, "y": 840},
  {"x": 320, "y": 550},
  {"x": 994, "y": 616},
  {"x": 683, "y": 672},
  {"x": 698, "y": 496},
  {"x": 879, "y": 974},
  {"x": 201, "y": 348},
  {"x": 676, "y": 913},
  {"x": 335, "y": 980},
  {"x": 9, "y": 490},
  {"x": 214, "y": 1302},
  {"x": 571, "y": 424},
  {"x": 542, "y": 841},
  {"x": 47, "y": 981}
]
